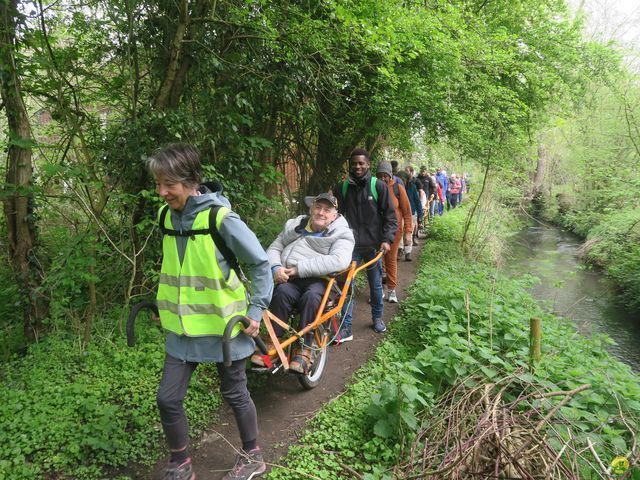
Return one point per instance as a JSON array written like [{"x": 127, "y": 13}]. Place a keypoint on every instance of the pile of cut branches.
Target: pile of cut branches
[{"x": 507, "y": 429}]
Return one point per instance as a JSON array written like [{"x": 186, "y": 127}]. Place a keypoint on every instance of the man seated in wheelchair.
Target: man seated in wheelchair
[{"x": 309, "y": 248}]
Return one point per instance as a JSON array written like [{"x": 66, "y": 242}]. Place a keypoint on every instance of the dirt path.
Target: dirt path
[{"x": 283, "y": 405}]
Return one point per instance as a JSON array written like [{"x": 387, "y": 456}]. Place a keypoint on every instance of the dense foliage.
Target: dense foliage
[
  {"x": 80, "y": 412},
  {"x": 593, "y": 183},
  {"x": 254, "y": 85},
  {"x": 435, "y": 342},
  {"x": 262, "y": 87}
]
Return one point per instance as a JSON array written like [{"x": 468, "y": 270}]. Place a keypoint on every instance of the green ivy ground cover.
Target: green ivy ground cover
[
  {"x": 429, "y": 346},
  {"x": 73, "y": 414}
]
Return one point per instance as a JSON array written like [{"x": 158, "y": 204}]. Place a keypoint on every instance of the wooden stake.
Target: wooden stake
[
  {"x": 493, "y": 290},
  {"x": 467, "y": 304},
  {"x": 535, "y": 341}
]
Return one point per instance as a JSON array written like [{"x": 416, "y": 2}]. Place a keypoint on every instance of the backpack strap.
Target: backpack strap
[
  {"x": 162, "y": 217},
  {"x": 176, "y": 233},
  {"x": 219, "y": 241},
  {"x": 374, "y": 191},
  {"x": 213, "y": 230},
  {"x": 396, "y": 190},
  {"x": 372, "y": 187}
]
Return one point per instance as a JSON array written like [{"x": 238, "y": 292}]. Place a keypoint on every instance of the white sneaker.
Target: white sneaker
[{"x": 392, "y": 297}]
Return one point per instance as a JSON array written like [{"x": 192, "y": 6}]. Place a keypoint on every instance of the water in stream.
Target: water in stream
[{"x": 573, "y": 291}]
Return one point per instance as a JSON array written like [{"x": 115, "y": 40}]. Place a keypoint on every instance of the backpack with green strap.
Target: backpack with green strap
[{"x": 372, "y": 187}]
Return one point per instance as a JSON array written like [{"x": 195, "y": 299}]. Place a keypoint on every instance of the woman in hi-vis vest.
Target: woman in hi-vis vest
[{"x": 198, "y": 293}]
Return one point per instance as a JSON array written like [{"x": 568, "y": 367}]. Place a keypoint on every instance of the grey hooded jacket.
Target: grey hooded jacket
[
  {"x": 246, "y": 247},
  {"x": 313, "y": 256}
]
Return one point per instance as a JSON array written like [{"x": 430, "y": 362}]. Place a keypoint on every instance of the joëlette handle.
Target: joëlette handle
[
  {"x": 226, "y": 338},
  {"x": 131, "y": 321}
]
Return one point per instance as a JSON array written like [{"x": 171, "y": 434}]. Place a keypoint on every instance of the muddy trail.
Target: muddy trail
[{"x": 283, "y": 405}]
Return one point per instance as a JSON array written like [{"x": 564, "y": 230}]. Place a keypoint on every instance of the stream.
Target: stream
[{"x": 572, "y": 290}]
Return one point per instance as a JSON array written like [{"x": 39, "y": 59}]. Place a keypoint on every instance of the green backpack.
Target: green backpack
[{"x": 374, "y": 192}]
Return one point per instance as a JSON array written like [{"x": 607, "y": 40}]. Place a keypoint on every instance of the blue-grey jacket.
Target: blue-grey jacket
[{"x": 244, "y": 244}]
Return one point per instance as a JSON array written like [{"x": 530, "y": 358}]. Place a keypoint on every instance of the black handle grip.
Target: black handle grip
[
  {"x": 226, "y": 338},
  {"x": 131, "y": 321}
]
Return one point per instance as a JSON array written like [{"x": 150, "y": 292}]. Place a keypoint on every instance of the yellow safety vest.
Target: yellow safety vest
[{"x": 194, "y": 298}]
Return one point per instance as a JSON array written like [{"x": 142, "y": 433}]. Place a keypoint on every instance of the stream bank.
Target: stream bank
[{"x": 572, "y": 290}]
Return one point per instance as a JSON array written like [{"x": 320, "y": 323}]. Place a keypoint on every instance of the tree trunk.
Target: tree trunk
[
  {"x": 330, "y": 156},
  {"x": 91, "y": 307},
  {"x": 538, "y": 179},
  {"x": 18, "y": 201},
  {"x": 467, "y": 223},
  {"x": 136, "y": 279},
  {"x": 175, "y": 54}
]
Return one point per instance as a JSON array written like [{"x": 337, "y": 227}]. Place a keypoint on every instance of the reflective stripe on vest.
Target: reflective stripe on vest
[{"x": 194, "y": 298}]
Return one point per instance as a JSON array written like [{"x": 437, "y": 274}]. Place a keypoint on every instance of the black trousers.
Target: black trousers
[
  {"x": 173, "y": 389},
  {"x": 305, "y": 294}
]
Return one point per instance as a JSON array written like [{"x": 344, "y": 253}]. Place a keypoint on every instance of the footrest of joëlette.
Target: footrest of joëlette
[{"x": 271, "y": 365}]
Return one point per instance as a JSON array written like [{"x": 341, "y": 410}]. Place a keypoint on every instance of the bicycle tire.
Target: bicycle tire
[{"x": 313, "y": 378}]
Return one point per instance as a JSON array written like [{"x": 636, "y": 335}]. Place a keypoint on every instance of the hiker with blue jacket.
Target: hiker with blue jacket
[
  {"x": 366, "y": 204},
  {"x": 198, "y": 294}
]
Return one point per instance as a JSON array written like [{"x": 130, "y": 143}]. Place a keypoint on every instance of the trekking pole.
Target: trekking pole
[{"x": 226, "y": 338}]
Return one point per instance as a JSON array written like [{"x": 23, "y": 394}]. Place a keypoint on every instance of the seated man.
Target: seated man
[{"x": 308, "y": 249}]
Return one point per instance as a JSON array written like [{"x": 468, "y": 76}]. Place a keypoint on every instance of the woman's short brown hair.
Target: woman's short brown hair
[{"x": 179, "y": 162}]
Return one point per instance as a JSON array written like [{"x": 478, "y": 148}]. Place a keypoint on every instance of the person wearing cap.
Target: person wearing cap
[
  {"x": 403, "y": 214},
  {"x": 395, "y": 168},
  {"x": 366, "y": 204},
  {"x": 414, "y": 199},
  {"x": 309, "y": 248},
  {"x": 413, "y": 188}
]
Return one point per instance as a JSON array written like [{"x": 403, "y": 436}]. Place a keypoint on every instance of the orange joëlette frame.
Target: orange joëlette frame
[{"x": 321, "y": 315}]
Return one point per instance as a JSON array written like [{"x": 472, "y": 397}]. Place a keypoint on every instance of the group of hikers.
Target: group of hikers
[{"x": 201, "y": 289}]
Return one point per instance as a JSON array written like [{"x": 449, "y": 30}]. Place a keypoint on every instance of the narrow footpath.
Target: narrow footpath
[{"x": 283, "y": 405}]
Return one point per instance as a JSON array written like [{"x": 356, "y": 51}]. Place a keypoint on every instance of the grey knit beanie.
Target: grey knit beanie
[{"x": 385, "y": 167}]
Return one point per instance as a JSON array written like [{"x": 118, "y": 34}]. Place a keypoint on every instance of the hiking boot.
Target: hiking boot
[
  {"x": 415, "y": 242},
  {"x": 407, "y": 257},
  {"x": 179, "y": 472},
  {"x": 345, "y": 335},
  {"x": 400, "y": 253},
  {"x": 379, "y": 326},
  {"x": 248, "y": 465},
  {"x": 392, "y": 297}
]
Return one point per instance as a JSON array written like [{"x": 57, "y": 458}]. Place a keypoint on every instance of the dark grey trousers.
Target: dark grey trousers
[
  {"x": 305, "y": 294},
  {"x": 173, "y": 389}
]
